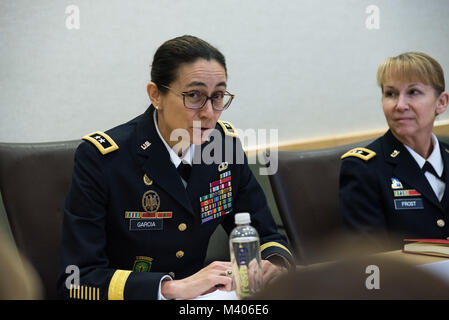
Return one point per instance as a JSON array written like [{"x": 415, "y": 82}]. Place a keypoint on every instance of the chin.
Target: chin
[
  {"x": 199, "y": 140},
  {"x": 403, "y": 133}
]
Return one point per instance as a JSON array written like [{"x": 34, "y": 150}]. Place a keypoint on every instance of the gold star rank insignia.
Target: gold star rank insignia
[{"x": 102, "y": 141}]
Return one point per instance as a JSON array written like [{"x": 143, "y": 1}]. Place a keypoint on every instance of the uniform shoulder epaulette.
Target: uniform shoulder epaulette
[
  {"x": 102, "y": 141},
  {"x": 362, "y": 153},
  {"x": 228, "y": 128}
]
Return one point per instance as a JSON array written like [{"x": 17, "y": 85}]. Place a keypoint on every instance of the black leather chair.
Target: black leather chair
[
  {"x": 34, "y": 179},
  {"x": 305, "y": 187}
]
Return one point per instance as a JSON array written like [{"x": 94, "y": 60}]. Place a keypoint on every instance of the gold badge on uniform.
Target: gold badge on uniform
[
  {"x": 142, "y": 264},
  {"x": 151, "y": 201},
  {"x": 394, "y": 154},
  {"x": 147, "y": 180},
  {"x": 150, "y": 219}
]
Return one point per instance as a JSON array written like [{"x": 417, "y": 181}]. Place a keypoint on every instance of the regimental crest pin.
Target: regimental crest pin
[
  {"x": 147, "y": 180},
  {"x": 394, "y": 154},
  {"x": 151, "y": 201},
  {"x": 396, "y": 184}
]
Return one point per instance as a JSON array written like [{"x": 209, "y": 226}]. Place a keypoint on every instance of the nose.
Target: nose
[
  {"x": 402, "y": 102},
  {"x": 207, "y": 111}
]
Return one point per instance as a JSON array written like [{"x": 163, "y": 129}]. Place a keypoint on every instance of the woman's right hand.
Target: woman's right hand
[{"x": 202, "y": 282}]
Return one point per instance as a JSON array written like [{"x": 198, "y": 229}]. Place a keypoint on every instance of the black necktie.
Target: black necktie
[
  {"x": 184, "y": 170},
  {"x": 428, "y": 167}
]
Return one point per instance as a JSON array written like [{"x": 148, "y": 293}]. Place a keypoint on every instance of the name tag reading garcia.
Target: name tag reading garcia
[
  {"x": 145, "y": 224},
  {"x": 406, "y": 204}
]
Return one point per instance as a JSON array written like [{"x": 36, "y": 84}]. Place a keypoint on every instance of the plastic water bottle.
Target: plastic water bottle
[{"x": 245, "y": 256}]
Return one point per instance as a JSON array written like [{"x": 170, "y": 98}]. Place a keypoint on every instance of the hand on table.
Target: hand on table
[
  {"x": 202, "y": 282},
  {"x": 271, "y": 272}
]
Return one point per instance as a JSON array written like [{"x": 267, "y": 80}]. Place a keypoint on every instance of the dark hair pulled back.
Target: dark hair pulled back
[{"x": 172, "y": 53}]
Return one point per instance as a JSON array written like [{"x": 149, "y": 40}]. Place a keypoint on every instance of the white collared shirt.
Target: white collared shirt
[
  {"x": 436, "y": 161},
  {"x": 187, "y": 157}
]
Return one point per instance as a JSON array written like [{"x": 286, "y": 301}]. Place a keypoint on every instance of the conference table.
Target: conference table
[
  {"x": 412, "y": 258},
  {"x": 438, "y": 266},
  {"x": 397, "y": 255}
]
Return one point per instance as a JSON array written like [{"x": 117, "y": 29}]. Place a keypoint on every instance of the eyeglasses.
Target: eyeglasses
[{"x": 196, "y": 100}]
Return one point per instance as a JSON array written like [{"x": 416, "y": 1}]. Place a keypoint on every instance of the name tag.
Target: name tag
[
  {"x": 145, "y": 224},
  {"x": 405, "y": 204}
]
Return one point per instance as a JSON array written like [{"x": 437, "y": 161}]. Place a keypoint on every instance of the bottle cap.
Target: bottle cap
[{"x": 242, "y": 218}]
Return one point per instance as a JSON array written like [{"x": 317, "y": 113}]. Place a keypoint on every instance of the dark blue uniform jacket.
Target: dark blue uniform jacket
[
  {"x": 390, "y": 196},
  {"x": 129, "y": 220}
]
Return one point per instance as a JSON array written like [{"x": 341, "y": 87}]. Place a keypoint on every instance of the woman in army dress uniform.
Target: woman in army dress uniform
[
  {"x": 144, "y": 200},
  {"x": 396, "y": 187}
]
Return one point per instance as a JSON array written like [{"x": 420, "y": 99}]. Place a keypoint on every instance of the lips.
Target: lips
[
  {"x": 201, "y": 133},
  {"x": 205, "y": 131},
  {"x": 403, "y": 119}
]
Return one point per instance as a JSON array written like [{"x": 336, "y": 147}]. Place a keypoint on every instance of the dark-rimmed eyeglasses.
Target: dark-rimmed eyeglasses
[{"x": 196, "y": 100}]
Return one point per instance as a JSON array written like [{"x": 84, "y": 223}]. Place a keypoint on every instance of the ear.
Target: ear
[
  {"x": 154, "y": 94},
  {"x": 442, "y": 103}
]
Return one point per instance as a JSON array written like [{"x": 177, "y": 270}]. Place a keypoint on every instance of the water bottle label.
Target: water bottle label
[
  {"x": 245, "y": 258},
  {"x": 242, "y": 261}
]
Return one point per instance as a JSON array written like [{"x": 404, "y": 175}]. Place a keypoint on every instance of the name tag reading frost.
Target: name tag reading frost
[{"x": 405, "y": 204}]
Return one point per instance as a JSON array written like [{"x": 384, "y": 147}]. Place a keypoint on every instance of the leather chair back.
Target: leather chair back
[
  {"x": 305, "y": 187},
  {"x": 34, "y": 180}
]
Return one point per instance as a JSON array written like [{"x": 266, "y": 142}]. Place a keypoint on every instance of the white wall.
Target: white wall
[{"x": 305, "y": 67}]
